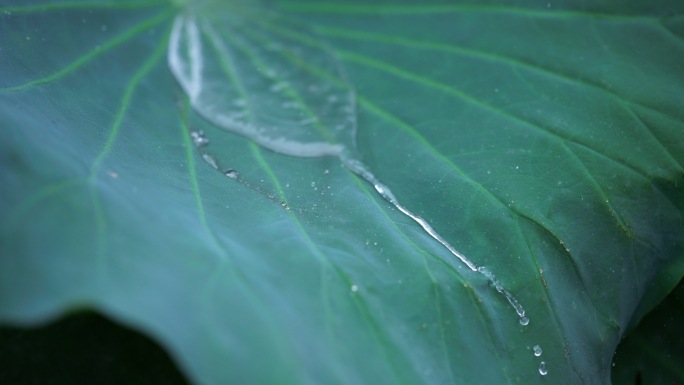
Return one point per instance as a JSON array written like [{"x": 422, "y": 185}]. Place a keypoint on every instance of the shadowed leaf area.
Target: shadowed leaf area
[
  {"x": 652, "y": 353},
  {"x": 317, "y": 192},
  {"x": 83, "y": 348}
]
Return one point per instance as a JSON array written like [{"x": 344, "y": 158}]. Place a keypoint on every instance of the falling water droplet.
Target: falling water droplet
[
  {"x": 524, "y": 321},
  {"x": 542, "y": 368},
  {"x": 232, "y": 174},
  {"x": 537, "y": 350}
]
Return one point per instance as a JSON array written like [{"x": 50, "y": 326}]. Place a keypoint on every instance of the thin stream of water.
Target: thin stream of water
[{"x": 360, "y": 169}]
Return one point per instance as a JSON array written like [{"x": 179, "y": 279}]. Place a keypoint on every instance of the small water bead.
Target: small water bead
[
  {"x": 537, "y": 350},
  {"x": 199, "y": 139},
  {"x": 232, "y": 174},
  {"x": 354, "y": 288},
  {"x": 542, "y": 368},
  {"x": 210, "y": 161},
  {"x": 524, "y": 321}
]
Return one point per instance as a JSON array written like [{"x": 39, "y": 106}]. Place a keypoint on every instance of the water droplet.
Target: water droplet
[
  {"x": 326, "y": 171},
  {"x": 542, "y": 368},
  {"x": 232, "y": 174},
  {"x": 199, "y": 139},
  {"x": 210, "y": 161},
  {"x": 354, "y": 288},
  {"x": 103, "y": 28},
  {"x": 537, "y": 350},
  {"x": 524, "y": 321}
]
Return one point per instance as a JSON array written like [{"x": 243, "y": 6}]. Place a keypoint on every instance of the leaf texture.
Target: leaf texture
[{"x": 541, "y": 140}]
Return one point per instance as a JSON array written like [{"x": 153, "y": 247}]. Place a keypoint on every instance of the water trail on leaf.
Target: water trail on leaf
[
  {"x": 360, "y": 169},
  {"x": 270, "y": 89},
  {"x": 200, "y": 141}
]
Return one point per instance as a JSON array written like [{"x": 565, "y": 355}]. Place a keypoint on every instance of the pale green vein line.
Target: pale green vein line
[
  {"x": 655, "y": 137},
  {"x": 81, "y": 5},
  {"x": 187, "y": 142},
  {"x": 98, "y": 51},
  {"x": 146, "y": 67},
  {"x": 671, "y": 31},
  {"x": 191, "y": 168},
  {"x": 377, "y": 330},
  {"x": 605, "y": 201},
  {"x": 99, "y": 213},
  {"x": 227, "y": 63},
  {"x": 100, "y": 240},
  {"x": 432, "y": 9},
  {"x": 385, "y": 115},
  {"x": 467, "y": 52},
  {"x": 290, "y": 91},
  {"x": 47, "y": 192}
]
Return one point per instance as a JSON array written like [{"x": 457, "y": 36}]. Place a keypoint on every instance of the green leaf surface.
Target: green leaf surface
[{"x": 541, "y": 140}]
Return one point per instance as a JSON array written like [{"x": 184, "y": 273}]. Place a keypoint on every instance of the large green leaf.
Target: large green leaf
[{"x": 542, "y": 140}]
